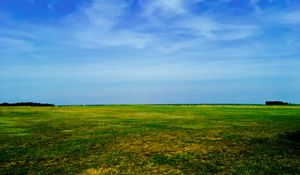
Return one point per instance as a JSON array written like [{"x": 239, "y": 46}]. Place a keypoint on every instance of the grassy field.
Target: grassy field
[{"x": 150, "y": 139}]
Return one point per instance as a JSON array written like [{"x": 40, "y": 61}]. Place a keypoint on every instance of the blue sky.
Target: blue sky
[{"x": 149, "y": 51}]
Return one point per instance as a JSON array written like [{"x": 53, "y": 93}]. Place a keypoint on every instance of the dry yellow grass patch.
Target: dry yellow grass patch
[
  {"x": 100, "y": 171},
  {"x": 152, "y": 144},
  {"x": 149, "y": 169},
  {"x": 165, "y": 143}
]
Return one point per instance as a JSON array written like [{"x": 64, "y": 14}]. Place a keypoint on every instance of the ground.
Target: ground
[{"x": 150, "y": 139}]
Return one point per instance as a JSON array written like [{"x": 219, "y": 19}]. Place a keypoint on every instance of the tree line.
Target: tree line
[{"x": 28, "y": 104}]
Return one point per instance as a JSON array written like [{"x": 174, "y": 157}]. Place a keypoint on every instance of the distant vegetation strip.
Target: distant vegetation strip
[
  {"x": 277, "y": 103},
  {"x": 28, "y": 104},
  {"x": 268, "y": 103}
]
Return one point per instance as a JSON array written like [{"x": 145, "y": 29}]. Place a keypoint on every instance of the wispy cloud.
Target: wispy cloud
[
  {"x": 171, "y": 7},
  {"x": 100, "y": 25},
  {"x": 292, "y": 17},
  {"x": 102, "y": 20}
]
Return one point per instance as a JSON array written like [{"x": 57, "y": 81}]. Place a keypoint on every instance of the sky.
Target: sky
[{"x": 149, "y": 51}]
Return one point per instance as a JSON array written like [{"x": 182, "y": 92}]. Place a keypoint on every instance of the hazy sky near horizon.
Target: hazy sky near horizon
[{"x": 149, "y": 51}]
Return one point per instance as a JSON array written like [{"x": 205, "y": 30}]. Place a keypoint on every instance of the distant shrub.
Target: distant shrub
[
  {"x": 276, "y": 103},
  {"x": 28, "y": 104}
]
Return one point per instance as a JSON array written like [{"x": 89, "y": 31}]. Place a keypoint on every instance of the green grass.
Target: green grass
[{"x": 150, "y": 139}]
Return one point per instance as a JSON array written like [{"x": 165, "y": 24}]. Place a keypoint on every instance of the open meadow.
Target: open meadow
[{"x": 150, "y": 139}]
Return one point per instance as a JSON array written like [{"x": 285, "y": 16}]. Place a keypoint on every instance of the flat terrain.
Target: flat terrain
[{"x": 150, "y": 139}]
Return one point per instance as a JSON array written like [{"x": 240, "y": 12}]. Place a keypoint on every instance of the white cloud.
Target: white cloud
[
  {"x": 98, "y": 25},
  {"x": 292, "y": 17},
  {"x": 166, "y": 7},
  {"x": 212, "y": 30},
  {"x": 201, "y": 26},
  {"x": 92, "y": 38},
  {"x": 281, "y": 18},
  {"x": 99, "y": 28},
  {"x": 10, "y": 44},
  {"x": 104, "y": 14}
]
